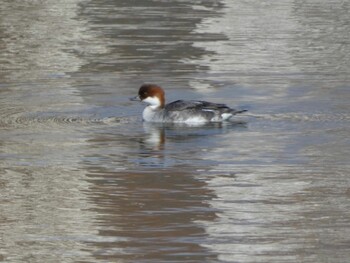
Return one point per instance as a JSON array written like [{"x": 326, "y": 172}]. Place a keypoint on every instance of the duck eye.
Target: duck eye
[{"x": 143, "y": 94}]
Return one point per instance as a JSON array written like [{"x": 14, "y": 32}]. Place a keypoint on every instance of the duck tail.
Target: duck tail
[{"x": 238, "y": 111}]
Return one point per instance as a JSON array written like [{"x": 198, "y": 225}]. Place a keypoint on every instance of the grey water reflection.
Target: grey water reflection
[
  {"x": 82, "y": 179},
  {"x": 156, "y": 204},
  {"x": 151, "y": 214}
]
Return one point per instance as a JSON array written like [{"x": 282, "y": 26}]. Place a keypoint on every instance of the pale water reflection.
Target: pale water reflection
[{"x": 82, "y": 179}]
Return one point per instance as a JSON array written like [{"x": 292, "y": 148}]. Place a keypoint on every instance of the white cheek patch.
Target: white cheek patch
[{"x": 154, "y": 101}]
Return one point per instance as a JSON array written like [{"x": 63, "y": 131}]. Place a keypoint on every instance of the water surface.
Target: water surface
[{"x": 82, "y": 179}]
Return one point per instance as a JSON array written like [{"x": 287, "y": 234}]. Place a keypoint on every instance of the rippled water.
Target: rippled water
[{"x": 82, "y": 179}]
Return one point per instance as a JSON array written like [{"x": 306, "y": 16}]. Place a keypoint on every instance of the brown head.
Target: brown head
[{"x": 152, "y": 94}]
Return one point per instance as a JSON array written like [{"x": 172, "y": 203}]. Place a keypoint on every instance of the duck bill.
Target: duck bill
[{"x": 136, "y": 98}]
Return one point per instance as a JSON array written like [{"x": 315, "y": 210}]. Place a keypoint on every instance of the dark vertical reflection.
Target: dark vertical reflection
[
  {"x": 150, "y": 207},
  {"x": 149, "y": 202},
  {"x": 153, "y": 215},
  {"x": 149, "y": 40}
]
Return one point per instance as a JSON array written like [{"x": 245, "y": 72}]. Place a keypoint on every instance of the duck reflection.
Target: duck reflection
[
  {"x": 168, "y": 144},
  {"x": 158, "y": 133}
]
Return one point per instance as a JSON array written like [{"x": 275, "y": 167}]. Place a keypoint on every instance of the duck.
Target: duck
[{"x": 180, "y": 111}]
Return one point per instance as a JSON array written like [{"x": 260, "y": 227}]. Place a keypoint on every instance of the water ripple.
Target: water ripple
[
  {"x": 14, "y": 118},
  {"x": 302, "y": 117}
]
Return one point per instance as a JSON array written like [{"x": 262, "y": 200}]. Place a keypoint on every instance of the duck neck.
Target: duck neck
[
  {"x": 155, "y": 103},
  {"x": 155, "y": 107}
]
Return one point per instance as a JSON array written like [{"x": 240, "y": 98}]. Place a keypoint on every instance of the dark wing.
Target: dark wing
[{"x": 181, "y": 105}]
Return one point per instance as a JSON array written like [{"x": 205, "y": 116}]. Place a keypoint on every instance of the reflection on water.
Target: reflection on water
[
  {"x": 145, "y": 229},
  {"x": 40, "y": 38},
  {"x": 82, "y": 179}
]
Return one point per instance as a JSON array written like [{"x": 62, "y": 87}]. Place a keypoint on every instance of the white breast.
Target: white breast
[{"x": 150, "y": 114}]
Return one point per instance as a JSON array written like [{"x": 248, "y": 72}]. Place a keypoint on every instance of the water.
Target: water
[{"x": 82, "y": 179}]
